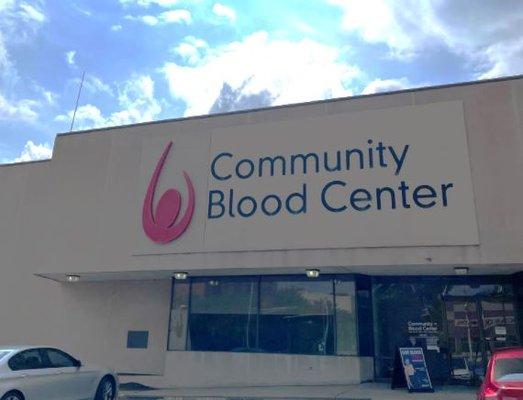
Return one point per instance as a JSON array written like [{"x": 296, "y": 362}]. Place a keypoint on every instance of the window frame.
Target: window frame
[
  {"x": 45, "y": 356},
  {"x": 45, "y": 363},
  {"x": 253, "y": 279},
  {"x": 258, "y": 279}
]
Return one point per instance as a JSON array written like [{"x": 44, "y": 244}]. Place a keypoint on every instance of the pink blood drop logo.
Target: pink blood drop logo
[{"x": 162, "y": 226}]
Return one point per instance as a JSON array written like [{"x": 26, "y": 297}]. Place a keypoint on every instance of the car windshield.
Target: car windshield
[
  {"x": 508, "y": 369},
  {"x": 459, "y": 363},
  {"x": 3, "y": 353}
]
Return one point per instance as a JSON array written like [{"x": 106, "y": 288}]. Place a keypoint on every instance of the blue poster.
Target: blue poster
[{"x": 415, "y": 369}]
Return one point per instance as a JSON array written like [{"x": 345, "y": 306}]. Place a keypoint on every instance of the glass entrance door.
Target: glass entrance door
[
  {"x": 476, "y": 326},
  {"x": 465, "y": 339}
]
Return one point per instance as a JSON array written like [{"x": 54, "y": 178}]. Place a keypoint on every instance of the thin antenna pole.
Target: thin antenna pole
[{"x": 77, "y": 100}]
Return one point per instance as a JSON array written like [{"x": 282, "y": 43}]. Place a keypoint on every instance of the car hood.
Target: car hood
[{"x": 510, "y": 385}]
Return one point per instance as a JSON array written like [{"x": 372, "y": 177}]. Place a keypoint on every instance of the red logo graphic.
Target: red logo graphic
[{"x": 161, "y": 227}]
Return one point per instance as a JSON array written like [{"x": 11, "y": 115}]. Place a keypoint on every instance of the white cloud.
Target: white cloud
[
  {"x": 69, "y": 57},
  {"x": 224, "y": 11},
  {"x": 49, "y": 97},
  {"x": 386, "y": 85},
  {"x": 18, "y": 23},
  {"x": 166, "y": 17},
  {"x": 96, "y": 85},
  {"x": 30, "y": 12},
  {"x": 487, "y": 33},
  {"x": 504, "y": 59},
  {"x": 116, "y": 28},
  {"x": 135, "y": 99},
  {"x": 176, "y": 16},
  {"x": 191, "y": 49},
  {"x": 21, "y": 110},
  {"x": 376, "y": 22},
  {"x": 87, "y": 116},
  {"x": 33, "y": 152},
  {"x": 147, "y": 3},
  {"x": 289, "y": 71},
  {"x": 83, "y": 11},
  {"x": 149, "y": 20},
  {"x": 93, "y": 85}
]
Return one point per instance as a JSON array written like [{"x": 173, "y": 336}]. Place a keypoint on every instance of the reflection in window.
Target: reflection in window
[
  {"x": 58, "y": 359},
  {"x": 284, "y": 314},
  {"x": 29, "y": 359},
  {"x": 451, "y": 318},
  {"x": 179, "y": 316},
  {"x": 223, "y": 314},
  {"x": 296, "y": 316},
  {"x": 346, "y": 332},
  {"x": 405, "y": 311}
]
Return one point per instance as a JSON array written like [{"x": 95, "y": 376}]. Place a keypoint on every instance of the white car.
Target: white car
[{"x": 45, "y": 373}]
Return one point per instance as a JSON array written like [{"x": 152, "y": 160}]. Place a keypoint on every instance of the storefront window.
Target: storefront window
[
  {"x": 346, "y": 332},
  {"x": 223, "y": 314},
  {"x": 297, "y": 316},
  {"x": 277, "y": 314}
]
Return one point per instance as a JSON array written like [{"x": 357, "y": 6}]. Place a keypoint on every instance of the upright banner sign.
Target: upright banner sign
[{"x": 380, "y": 178}]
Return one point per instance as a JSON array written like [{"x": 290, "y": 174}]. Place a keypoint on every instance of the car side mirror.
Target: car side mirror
[{"x": 77, "y": 363}]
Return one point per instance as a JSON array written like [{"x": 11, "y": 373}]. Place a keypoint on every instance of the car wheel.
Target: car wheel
[
  {"x": 106, "y": 390},
  {"x": 12, "y": 396}
]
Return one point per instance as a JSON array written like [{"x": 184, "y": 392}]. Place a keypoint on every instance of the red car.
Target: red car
[{"x": 504, "y": 376}]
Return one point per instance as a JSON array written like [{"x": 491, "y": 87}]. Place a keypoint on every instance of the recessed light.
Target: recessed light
[
  {"x": 180, "y": 275},
  {"x": 312, "y": 273},
  {"x": 72, "y": 278},
  {"x": 461, "y": 270}
]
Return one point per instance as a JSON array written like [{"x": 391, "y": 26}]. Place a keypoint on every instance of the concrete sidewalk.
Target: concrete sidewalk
[{"x": 366, "y": 391}]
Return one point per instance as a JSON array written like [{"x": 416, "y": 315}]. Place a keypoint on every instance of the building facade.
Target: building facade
[{"x": 290, "y": 245}]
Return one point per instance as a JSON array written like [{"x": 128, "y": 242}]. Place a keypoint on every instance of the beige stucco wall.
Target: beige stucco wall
[
  {"x": 76, "y": 214},
  {"x": 215, "y": 369}
]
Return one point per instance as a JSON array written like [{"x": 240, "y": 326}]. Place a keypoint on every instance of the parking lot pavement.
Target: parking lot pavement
[{"x": 366, "y": 391}]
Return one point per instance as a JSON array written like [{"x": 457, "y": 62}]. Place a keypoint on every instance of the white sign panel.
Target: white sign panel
[{"x": 380, "y": 178}]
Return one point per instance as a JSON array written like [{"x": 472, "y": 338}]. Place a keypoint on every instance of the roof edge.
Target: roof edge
[
  {"x": 13, "y": 164},
  {"x": 312, "y": 102}
]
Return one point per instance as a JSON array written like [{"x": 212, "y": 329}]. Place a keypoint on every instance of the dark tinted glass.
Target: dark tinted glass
[
  {"x": 508, "y": 369},
  {"x": 407, "y": 314},
  {"x": 365, "y": 321},
  {"x": 297, "y": 316},
  {"x": 179, "y": 315},
  {"x": 223, "y": 314},
  {"x": 58, "y": 359},
  {"x": 450, "y": 318},
  {"x": 29, "y": 359},
  {"x": 137, "y": 339},
  {"x": 346, "y": 331}
]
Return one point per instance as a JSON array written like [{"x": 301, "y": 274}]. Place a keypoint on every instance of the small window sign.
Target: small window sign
[
  {"x": 137, "y": 339},
  {"x": 500, "y": 330}
]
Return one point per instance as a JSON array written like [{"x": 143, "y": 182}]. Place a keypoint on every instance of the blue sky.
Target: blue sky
[{"x": 155, "y": 59}]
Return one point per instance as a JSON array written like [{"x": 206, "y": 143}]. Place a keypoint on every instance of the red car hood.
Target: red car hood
[{"x": 510, "y": 385}]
